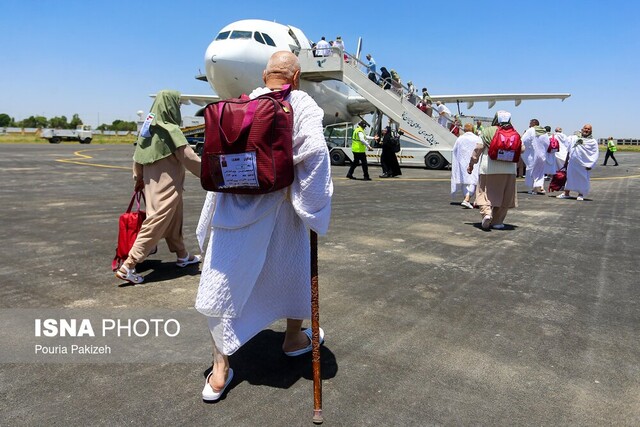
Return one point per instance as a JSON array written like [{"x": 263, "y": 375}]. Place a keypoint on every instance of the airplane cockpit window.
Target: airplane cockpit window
[
  {"x": 223, "y": 35},
  {"x": 258, "y": 37},
  {"x": 268, "y": 39},
  {"x": 240, "y": 35}
]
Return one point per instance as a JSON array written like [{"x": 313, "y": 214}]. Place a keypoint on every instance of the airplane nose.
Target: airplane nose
[{"x": 233, "y": 67}]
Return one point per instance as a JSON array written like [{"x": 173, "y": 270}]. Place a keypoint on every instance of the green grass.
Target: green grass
[{"x": 30, "y": 138}]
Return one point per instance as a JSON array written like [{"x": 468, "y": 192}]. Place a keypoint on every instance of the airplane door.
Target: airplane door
[{"x": 300, "y": 39}]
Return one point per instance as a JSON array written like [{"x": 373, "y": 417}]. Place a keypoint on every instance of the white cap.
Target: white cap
[{"x": 503, "y": 116}]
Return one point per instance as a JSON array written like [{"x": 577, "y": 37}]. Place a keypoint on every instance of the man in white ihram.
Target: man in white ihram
[
  {"x": 536, "y": 142},
  {"x": 323, "y": 48},
  {"x": 583, "y": 156},
  {"x": 462, "y": 151},
  {"x": 443, "y": 114},
  {"x": 561, "y": 154},
  {"x": 257, "y": 264}
]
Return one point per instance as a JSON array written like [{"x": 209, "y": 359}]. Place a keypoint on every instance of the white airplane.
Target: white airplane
[{"x": 235, "y": 59}]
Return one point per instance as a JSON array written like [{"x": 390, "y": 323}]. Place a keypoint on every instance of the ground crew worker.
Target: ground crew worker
[
  {"x": 359, "y": 146},
  {"x": 611, "y": 148}
]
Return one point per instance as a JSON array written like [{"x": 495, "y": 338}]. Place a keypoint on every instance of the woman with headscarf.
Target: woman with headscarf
[
  {"x": 496, "y": 190},
  {"x": 159, "y": 161},
  {"x": 385, "y": 78},
  {"x": 396, "y": 82},
  {"x": 388, "y": 159}
]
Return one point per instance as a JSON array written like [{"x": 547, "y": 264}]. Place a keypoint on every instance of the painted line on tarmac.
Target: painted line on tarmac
[
  {"x": 614, "y": 177},
  {"x": 399, "y": 179},
  {"x": 78, "y": 153}
]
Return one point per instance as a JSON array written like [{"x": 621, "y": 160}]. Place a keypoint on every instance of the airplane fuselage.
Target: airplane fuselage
[{"x": 235, "y": 59}]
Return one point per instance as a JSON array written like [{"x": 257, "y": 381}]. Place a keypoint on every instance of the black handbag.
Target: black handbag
[{"x": 395, "y": 144}]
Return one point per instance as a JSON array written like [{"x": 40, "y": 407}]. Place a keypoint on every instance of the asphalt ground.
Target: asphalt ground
[{"x": 429, "y": 319}]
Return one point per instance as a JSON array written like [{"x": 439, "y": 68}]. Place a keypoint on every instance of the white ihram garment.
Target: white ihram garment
[
  {"x": 256, "y": 268},
  {"x": 323, "y": 48},
  {"x": 443, "y": 119},
  {"x": 581, "y": 157},
  {"x": 462, "y": 151},
  {"x": 550, "y": 166},
  {"x": 561, "y": 155},
  {"x": 535, "y": 157}
]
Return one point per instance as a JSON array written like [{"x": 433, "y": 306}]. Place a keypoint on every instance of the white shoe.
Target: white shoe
[
  {"x": 498, "y": 226},
  {"x": 130, "y": 276},
  {"x": 309, "y": 347},
  {"x": 580, "y": 198},
  {"x": 562, "y": 196},
  {"x": 183, "y": 262},
  {"x": 208, "y": 395},
  {"x": 486, "y": 222},
  {"x": 466, "y": 205}
]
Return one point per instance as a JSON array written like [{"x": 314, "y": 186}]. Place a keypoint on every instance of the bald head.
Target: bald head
[
  {"x": 586, "y": 130},
  {"x": 283, "y": 68}
]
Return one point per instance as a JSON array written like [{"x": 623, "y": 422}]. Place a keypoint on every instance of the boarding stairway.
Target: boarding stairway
[{"x": 422, "y": 129}]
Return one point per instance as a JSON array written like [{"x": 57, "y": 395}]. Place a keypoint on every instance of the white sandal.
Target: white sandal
[
  {"x": 129, "y": 275},
  {"x": 208, "y": 394},
  {"x": 183, "y": 262}
]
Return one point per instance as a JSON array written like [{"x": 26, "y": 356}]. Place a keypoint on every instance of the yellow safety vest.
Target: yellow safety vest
[
  {"x": 357, "y": 146},
  {"x": 612, "y": 146}
]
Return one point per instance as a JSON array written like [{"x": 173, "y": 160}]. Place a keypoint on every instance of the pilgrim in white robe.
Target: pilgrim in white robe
[
  {"x": 462, "y": 151},
  {"x": 583, "y": 154},
  {"x": 561, "y": 154},
  {"x": 256, "y": 268},
  {"x": 536, "y": 142},
  {"x": 550, "y": 166}
]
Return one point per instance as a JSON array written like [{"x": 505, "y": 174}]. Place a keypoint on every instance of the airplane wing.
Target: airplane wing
[
  {"x": 200, "y": 100},
  {"x": 358, "y": 105},
  {"x": 492, "y": 98}
]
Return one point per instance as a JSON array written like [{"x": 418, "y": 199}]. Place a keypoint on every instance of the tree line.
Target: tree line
[{"x": 62, "y": 122}]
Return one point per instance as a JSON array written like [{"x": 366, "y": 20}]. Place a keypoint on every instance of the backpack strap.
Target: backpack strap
[
  {"x": 279, "y": 95},
  {"x": 136, "y": 197},
  {"x": 246, "y": 120}
]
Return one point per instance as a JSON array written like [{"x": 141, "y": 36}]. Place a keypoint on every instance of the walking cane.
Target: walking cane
[{"x": 315, "y": 332}]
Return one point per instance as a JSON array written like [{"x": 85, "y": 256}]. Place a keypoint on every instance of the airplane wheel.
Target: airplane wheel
[
  {"x": 434, "y": 161},
  {"x": 337, "y": 158}
]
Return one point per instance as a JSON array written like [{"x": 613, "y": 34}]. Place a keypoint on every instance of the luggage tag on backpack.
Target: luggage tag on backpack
[
  {"x": 506, "y": 155},
  {"x": 144, "y": 130},
  {"x": 236, "y": 170}
]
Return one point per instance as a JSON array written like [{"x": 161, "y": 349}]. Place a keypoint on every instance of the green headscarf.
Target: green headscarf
[
  {"x": 166, "y": 136},
  {"x": 540, "y": 130}
]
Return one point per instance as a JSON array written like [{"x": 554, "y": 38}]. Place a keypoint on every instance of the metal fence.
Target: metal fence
[{"x": 620, "y": 141}]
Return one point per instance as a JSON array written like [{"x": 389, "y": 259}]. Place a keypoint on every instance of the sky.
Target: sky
[{"x": 102, "y": 59}]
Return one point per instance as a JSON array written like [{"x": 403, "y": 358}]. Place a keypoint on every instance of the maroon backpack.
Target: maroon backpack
[
  {"x": 554, "y": 145},
  {"x": 505, "y": 145},
  {"x": 248, "y": 144}
]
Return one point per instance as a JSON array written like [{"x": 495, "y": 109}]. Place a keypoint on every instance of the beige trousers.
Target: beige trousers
[
  {"x": 495, "y": 195},
  {"x": 163, "y": 188}
]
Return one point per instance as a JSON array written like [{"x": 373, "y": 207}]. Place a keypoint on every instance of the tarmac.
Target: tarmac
[{"x": 429, "y": 319}]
